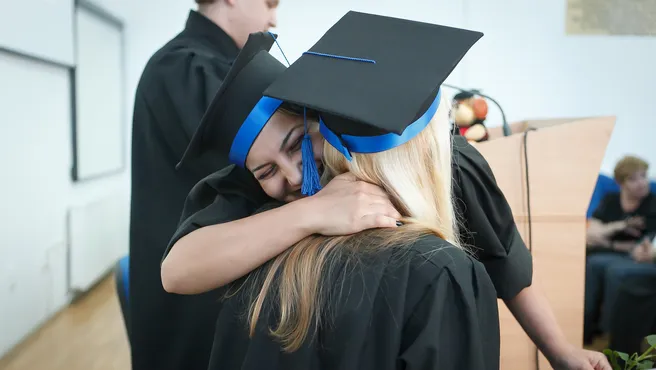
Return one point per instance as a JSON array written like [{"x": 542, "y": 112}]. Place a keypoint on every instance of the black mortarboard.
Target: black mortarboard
[
  {"x": 239, "y": 111},
  {"x": 374, "y": 80}
]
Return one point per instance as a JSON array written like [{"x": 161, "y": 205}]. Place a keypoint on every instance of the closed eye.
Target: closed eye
[
  {"x": 297, "y": 144},
  {"x": 268, "y": 173}
]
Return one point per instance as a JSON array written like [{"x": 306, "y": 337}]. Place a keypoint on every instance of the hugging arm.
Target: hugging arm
[
  {"x": 600, "y": 228},
  {"x": 222, "y": 242},
  {"x": 491, "y": 229}
]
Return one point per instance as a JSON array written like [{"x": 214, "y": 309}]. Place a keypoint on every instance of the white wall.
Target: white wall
[
  {"x": 36, "y": 191},
  {"x": 534, "y": 70},
  {"x": 525, "y": 61}
]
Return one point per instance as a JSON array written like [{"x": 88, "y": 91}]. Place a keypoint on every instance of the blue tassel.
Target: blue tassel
[{"x": 311, "y": 182}]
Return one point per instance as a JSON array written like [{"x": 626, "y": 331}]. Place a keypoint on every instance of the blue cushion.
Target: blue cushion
[{"x": 124, "y": 268}]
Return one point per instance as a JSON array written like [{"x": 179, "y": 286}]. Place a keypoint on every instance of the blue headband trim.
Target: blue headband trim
[
  {"x": 347, "y": 144},
  {"x": 251, "y": 128}
]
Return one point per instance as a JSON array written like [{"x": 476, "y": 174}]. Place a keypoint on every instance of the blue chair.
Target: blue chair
[
  {"x": 122, "y": 273},
  {"x": 606, "y": 184}
]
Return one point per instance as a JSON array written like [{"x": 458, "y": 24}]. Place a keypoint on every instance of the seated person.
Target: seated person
[
  {"x": 634, "y": 311},
  {"x": 622, "y": 222},
  {"x": 402, "y": 297}
]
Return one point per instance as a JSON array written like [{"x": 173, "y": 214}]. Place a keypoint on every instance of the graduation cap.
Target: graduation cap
[
  {"x": 239, "y": 111},
  {"x": 374, "y": 80}
]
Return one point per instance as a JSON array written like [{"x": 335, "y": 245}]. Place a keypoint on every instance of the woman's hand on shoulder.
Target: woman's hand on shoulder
[{"x": 346, "y": 206}]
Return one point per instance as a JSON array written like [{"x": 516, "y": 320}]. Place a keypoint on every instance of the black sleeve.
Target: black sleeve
[
  {"x": 224, "y": 196},
  {"x": 190, "y": 82},
  {"x": 488, "y": 222},
  {"x": 456, "y": 324},
  {"x": 650, "y": 216},
  {"x": 603, "y": 212}
]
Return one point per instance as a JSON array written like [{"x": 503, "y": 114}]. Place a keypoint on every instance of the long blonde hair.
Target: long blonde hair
[{"x": 416, "y": 175}]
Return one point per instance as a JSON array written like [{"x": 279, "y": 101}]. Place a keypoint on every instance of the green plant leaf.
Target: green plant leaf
[
  {"x": 646, "y": 365},
  {"x": 612, "y": 358},
  {"x": 652, "y": 340},
  {"x": 625, "y": 358}
]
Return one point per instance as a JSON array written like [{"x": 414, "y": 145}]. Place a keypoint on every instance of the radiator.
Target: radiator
[{"x": 98, "y": 237}]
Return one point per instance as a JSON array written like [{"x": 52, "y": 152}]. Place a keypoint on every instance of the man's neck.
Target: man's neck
[{"x": 217, "y": 13}]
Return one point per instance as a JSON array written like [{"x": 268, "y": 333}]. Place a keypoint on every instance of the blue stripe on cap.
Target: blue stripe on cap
[
  {"x": 251, "y": 128},
  {"x": 347, "y": 144}
]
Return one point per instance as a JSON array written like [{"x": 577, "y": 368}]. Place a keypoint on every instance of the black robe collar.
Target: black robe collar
[{"x": 200, "y": 26}]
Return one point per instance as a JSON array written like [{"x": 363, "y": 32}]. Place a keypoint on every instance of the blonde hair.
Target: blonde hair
[
  {"x": 416, "y": 175},
  {"x": 627, "y": 166}
]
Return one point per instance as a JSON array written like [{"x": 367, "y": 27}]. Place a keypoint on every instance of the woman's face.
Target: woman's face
[
  {"x": 275, "y": 157},
  {"x": 637, "y": 185}
]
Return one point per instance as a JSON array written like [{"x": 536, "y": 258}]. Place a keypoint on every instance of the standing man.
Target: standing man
[{"x": 170, "y": 331}]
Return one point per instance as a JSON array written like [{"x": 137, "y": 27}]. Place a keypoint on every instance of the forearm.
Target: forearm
[
  {"x": 216, "y": 255},
  {"x": 599, "y": 233},
  {"x": 533, "y": 312}
]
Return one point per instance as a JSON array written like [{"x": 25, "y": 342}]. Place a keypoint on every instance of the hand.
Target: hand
[
  {"x": 644, "y": 252},
  {"x": 636, "y": 222},
  {"x": 580, "y": 359},
  {"x": 623, "y": 246},
  {"x": 634, "y": 225},
  {"x": 346, "y": 206}
]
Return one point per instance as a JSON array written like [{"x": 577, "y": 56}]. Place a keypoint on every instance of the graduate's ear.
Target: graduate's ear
[{"x": 230, "y": 2}]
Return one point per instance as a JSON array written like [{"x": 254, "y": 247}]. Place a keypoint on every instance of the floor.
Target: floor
[
  {"x": 95, "y": 337},
  {"x": 88, "y": 335}
]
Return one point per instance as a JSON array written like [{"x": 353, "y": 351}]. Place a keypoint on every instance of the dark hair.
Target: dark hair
[{"x": 204, "y": 2}]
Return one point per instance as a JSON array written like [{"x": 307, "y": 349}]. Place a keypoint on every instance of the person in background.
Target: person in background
[
  {"x": 634, "y": 312},
  {"x": 178, "y": 82},
  {"x": 618, "y": 242}
]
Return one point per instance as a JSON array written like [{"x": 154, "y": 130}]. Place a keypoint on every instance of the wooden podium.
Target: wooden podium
[{"x": 564, "y": 157}]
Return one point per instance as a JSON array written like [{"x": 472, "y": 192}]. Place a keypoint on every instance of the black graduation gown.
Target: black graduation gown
[
  {"x": 179, "y": 81},
  {"x": 489, "y": 226},
  {"x": 436, "y": 308},
  {"x": 433, "y": 308},
  {"x": 488, "y": 221}
]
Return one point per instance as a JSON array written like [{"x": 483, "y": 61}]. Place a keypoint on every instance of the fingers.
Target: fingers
[
  {"x": 384, "y": 208},
  {"x": 632, "y": 231},
  {"x": 636, "y": 221},
  {"x": 367, "y": 188},
  {"x": 602, "y": 362},
  {"x": 349, "y": 180},
  {"x": 380, "y": 215},
  {"x": 373, "y": 221},
  {"x": 349, "y": 183}
]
